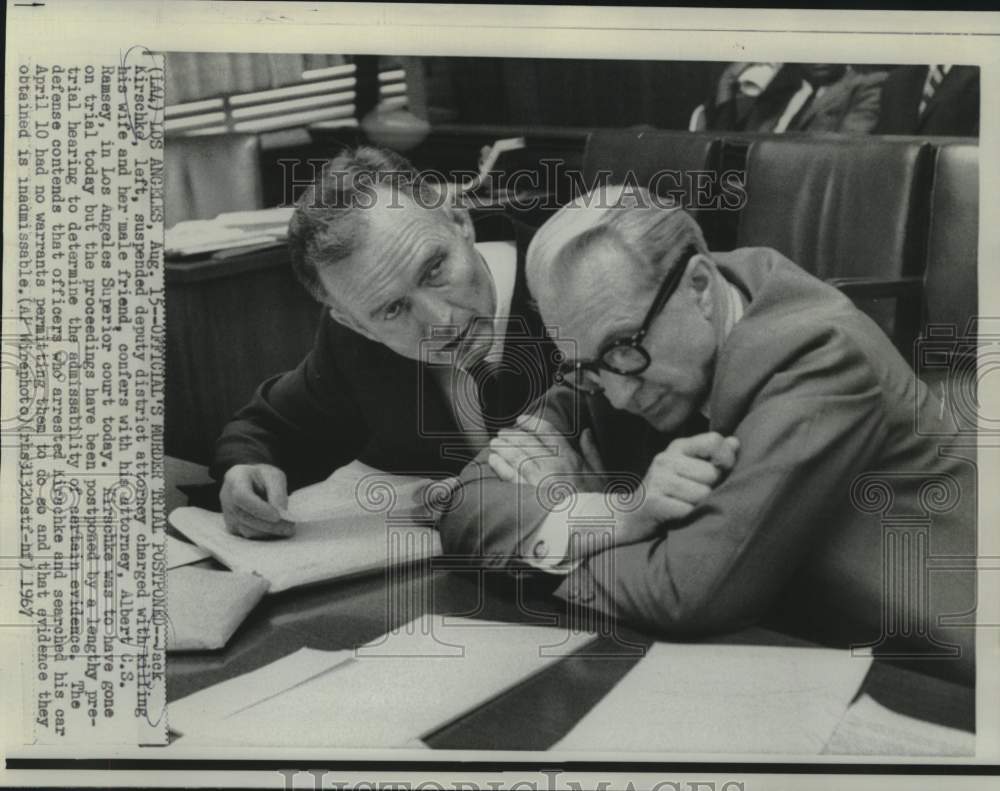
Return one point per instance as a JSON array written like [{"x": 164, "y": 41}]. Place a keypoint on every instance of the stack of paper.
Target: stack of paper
[
  {"x": 689, "y": 698},
  {"x": 401, "y": 687},
  {"x": 358, "y": 521},
  {"x": 228, "y": 231},
  {"x": 270, "y": 221}
]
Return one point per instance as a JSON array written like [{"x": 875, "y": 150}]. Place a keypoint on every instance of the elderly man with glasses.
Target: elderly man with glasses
[{"x": 755, "y": 415}]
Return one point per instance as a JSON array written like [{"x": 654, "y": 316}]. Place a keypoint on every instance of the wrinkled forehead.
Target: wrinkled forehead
[
  {"x": 397, "y": 225},
  {"x": 389, "y": 207},
  {"x": 394, "y": 235}
]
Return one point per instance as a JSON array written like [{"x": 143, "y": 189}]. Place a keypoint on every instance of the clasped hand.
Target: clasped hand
[
  {"x": 678, "y": 479},
  {"x": 535, "y": 450}
]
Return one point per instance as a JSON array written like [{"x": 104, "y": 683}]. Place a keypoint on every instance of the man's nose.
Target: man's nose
[
  {"x": 432, "y": 312},
  {"x": 619, "y": 389}
]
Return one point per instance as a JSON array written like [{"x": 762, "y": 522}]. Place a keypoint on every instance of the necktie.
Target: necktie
[
  {"x": 935, "y": 74},
  {"x": 487, "y": 374}
]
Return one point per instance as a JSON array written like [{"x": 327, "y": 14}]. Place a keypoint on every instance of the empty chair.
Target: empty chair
[
  {"x": 851, "y": 212},
  {"x": 210, "y": 174},
  {"x": 945, "y": 357},
  {"x": 837, "y": 207},
  {"x": 680, "y": 167},
  {"x": 953, "y": 241}
]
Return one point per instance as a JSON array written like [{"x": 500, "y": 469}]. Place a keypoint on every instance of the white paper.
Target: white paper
[
  {"x": 869, "y": 728},
  {"x": 357, "y": 489},
  {"x": 181, "y": 553},
  {"x": 192, "y": 237},
  {"x": 222, "y": 700},
  {"x": 401, "y": 687},
  {"x": 696, "y": 698},
  {"x": 359, "y": 520},
  {"x": 318, "y": 551},
  {"x": 278, "y": 215}
]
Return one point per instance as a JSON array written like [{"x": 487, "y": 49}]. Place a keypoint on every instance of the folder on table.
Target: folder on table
[{"x": 206, "y": 606}]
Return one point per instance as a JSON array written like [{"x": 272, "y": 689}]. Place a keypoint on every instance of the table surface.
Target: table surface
[{"x": 532, "y": 715}]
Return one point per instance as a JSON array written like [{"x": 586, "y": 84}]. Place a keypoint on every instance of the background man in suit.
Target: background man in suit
[
  {"x": 670, "y": 341},
  {"x": 792, "y": 97},
  {"x": 940, "y": 99},
  {"x": 428, "y": 346}
]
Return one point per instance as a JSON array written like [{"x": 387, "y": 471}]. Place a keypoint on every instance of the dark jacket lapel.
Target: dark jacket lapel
[
  {"x": 954, "y": 82},
  {"x": 529, "y": 356}
]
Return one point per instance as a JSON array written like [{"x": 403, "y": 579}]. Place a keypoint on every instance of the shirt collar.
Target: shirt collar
[
  {"x": 732, "y": 311},
  {"x": 501, "y": 262}
]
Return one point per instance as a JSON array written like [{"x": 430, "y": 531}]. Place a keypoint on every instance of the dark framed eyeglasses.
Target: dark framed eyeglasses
[{"x": 624, "y": 356}]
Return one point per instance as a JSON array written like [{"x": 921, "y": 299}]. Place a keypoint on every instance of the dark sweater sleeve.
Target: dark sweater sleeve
[{"x": 306, "y": 421}]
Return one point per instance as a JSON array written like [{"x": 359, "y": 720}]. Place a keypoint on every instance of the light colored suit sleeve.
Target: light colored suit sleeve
[
  {"x": 866, "y": 100},
  {"x": 816, "y": 424}
]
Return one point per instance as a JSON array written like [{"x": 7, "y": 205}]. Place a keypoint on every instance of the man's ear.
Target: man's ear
[
  {"x": 701, "y": 276},
  {"x": 460, "y": 216}
]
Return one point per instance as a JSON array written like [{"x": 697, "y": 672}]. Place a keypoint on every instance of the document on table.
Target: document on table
[
  {"x": 869, "y": 728},
  {"x": 359, "y": 520},
  {"x": 228, "y": 230},
  {"x": 700, "y": 698},
  {"x": 403, "y": 686},
  {"x": 195, "y": 237}
]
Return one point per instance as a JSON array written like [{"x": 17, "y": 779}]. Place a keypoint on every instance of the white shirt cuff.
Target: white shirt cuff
[{"x": 587, "y": 518}]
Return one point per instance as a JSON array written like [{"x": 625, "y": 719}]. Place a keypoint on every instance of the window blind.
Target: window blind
[{"x": 325, "y": 98}]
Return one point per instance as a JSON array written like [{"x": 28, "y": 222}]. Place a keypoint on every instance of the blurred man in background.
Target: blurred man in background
[
  {"x": 940, "y": 99},
  {"x": 792, "y": 97}
]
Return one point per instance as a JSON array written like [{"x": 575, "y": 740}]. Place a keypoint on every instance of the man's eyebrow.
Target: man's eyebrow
[
  {"x": 617, "y": 329},
  {"x": 433, "y": 252}
]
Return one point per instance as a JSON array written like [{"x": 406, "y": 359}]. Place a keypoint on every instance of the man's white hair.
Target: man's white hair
[{"x": 656, "y": 234}]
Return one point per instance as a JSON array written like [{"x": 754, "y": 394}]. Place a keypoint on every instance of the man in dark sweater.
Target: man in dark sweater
[{"x": 429, "y": 345}]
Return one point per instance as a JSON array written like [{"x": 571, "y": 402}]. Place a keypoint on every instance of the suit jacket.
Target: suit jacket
[
  {"x": 353, "y": 398},
  {"x": 851, "y": 104},
  {"x": 819, "y": 399},
  {"x": 953, "y": 110}
]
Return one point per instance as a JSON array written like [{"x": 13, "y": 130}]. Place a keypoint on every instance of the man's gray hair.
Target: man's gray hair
[
  {"x": 655, "y": 235},
  {"x": 325, "y": 226}
]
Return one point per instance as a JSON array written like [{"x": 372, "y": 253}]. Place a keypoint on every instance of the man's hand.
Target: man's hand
[
  {"x": 535, "y": 450},
  {"x": 678, "y": 479},
  {"x": 254, "y": 498}
]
